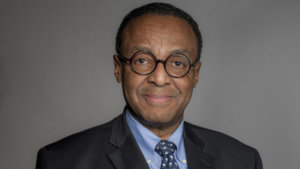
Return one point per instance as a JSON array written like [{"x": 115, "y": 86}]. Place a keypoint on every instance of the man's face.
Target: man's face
[{"x": 157, "y": 100}]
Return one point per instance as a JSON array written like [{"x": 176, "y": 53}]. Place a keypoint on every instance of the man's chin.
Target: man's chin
[{"x": 155, "y": 115}]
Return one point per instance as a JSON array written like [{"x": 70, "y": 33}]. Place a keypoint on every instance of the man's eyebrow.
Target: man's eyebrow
[
  {"x": 139, "y": 48},
  {"x": 180, "y": 51},
  {"x": 135, "y": 49},
  {"x": 142, "y": 48},
  {"x": 185, "y": 52}
]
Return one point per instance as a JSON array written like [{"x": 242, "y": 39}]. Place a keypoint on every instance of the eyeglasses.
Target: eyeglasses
[{"x": 142, "y": 62}]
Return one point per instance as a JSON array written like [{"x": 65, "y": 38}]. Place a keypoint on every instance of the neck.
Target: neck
[{"x": 163, "y": 132}]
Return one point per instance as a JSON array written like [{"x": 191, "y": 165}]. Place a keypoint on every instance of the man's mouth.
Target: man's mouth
[{"x": 157, "y": 99}]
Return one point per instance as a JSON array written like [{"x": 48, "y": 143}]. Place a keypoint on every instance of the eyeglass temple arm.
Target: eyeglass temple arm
[{"x": 122, "y": 58}]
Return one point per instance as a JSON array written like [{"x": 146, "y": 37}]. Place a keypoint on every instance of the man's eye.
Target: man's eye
[
  {"x": 142, "y": 61},
  {"x": 178, "y": 64}
]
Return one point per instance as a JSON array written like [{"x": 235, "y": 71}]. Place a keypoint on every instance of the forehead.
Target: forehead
[{"x": 160, "y": 33}]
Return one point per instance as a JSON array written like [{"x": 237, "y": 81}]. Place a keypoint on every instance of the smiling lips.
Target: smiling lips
[{"x": 157, "y": 99}]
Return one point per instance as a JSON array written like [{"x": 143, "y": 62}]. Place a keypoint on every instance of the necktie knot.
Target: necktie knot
[{"x": 166, "y": 150}]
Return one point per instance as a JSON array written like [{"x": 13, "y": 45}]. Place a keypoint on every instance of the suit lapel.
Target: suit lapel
[
  {"x": 196, "y": 157},
  {"x": 127, "y": 155}
]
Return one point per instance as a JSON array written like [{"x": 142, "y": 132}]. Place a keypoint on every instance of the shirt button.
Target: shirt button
[{"x": 148, "y": 161}]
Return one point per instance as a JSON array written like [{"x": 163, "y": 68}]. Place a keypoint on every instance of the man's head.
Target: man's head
[
  {"x": 162, "y": 9},
  {"x": 157, "y": 99}
]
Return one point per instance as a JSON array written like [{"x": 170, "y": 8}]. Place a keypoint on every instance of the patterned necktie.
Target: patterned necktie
[{"x": 166, "y": 149}]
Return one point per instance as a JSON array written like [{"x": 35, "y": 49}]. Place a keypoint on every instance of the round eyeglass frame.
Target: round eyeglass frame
[{"x": 124, "y": 59}]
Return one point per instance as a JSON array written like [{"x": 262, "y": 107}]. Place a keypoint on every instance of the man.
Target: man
[{"x": 157, "y": 62}]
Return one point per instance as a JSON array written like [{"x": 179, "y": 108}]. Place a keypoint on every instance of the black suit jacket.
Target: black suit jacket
[{"x": 112, "y": 146}]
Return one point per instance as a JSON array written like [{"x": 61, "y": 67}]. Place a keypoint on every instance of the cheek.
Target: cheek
[
  {"x": 131, "y": 85},
  {"x": 185, "y": 86}
]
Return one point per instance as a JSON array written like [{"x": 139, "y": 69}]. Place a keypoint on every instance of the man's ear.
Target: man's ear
[
  {"x": 118, "y": 68},
  {"x": 196, "y": 73}
]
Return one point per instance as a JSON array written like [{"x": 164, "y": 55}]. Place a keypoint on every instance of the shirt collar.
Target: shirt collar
[{"x": 147, "y": 140}]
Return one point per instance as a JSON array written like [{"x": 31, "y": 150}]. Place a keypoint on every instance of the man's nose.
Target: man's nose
[{"x": 159, "y": 77}]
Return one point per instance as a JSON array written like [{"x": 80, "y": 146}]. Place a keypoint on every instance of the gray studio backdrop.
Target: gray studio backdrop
[{"x": 56, "y": 73}]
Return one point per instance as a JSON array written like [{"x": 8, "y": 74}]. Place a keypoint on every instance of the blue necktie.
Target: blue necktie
[{"x": 166, "y": 150}]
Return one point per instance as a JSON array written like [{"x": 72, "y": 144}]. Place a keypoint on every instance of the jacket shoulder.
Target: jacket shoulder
[
  {"x": 216, "y": 141},
  {"x": 97, "y": 133},
  {"x": 86, "y": 147}
]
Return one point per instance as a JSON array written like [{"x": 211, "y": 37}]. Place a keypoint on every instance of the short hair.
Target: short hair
[{"x": 158, "y": 9}]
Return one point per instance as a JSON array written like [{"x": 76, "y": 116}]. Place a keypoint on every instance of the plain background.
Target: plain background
[{"x": 56, "y": 73}]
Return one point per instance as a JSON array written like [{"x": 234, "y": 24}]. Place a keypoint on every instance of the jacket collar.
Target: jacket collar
[
  {"x": 127, "y": 155},
  {"x": 194, "y": 148}
]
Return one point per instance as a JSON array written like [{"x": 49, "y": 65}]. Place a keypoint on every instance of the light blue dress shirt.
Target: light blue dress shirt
[{"x": 148, "y": 140}]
